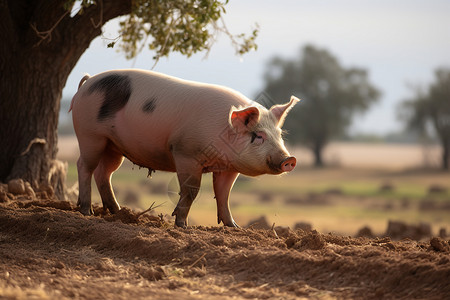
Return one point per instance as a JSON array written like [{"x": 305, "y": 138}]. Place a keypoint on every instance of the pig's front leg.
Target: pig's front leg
[
  {"x": 223, "y": 182},
  {"x": 189, "y": 174}
]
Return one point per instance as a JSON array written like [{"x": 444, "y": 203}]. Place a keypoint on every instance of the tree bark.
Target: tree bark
[{"x": 33, "y": 73}]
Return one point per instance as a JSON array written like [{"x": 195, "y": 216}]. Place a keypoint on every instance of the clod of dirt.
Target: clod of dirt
[
  {"x": 306, "y": 241},
  {"x": 152, "y": 273},
  {"x": 260, "y": 223},
  {"x": 312, "y": 241},
  {"x": 366, "y": 231},
  {"x": 58, "y": 204},
  {"x": 127, "y": 216},
  {"x": 440, "y": 245},
  {"x": 283, "y": 231},
  {"x": 47, "y": 191},
  {"x": 195, "y": 272},
  {"x": 16, "y": 186},
  {"x": 386, "y": 187},
  {"x": 400, "y": 230},
  {"x": 303, "y": 226},
  {"x": 335, "y": 191},
  {"x": 437, "y": 189},
  {"x": 131, "y": 198},
  {"x": 266, "y": 197}
]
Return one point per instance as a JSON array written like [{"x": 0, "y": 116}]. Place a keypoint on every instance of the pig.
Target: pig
[{"x": 168, "y": 124}]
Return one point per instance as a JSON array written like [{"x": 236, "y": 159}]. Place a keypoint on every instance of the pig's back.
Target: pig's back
[
  {"x": 173, "y": 106},
  {"x": 164, "y": 114}
]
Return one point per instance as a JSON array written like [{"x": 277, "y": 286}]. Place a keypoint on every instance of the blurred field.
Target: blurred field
[{"x": 366, "y": 185}]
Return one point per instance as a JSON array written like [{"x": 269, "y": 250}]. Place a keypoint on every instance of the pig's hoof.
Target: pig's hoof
[
  {"x": 181, "y": 223},
  {"x": 112, "y": 208},
  {"x": 232, "y": 224},
  {"x": 87, "y": 211}
]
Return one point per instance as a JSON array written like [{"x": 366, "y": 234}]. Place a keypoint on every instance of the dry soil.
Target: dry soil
[{"x": 48, "y": 250}]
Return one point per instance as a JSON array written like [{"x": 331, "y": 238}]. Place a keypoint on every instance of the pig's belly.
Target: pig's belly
[{"x": 152, "y": 156}]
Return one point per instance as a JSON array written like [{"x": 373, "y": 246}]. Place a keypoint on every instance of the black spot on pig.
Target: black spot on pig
[
  {"x": 149, "y": 105},
  {"x": 117, "y": 91}
]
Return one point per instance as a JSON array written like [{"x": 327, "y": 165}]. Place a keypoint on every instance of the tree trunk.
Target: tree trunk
[
  {"x": 29, "y": 123},
  {"x": 445, "y": 154},
  {"x": 33, "y": 72},
  {"x": 317, "y": 151}
]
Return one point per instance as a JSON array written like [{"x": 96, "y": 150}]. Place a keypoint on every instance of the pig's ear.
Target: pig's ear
[
  {"x": 244, "y": 119},
  {"x": 280, "y": 111}
]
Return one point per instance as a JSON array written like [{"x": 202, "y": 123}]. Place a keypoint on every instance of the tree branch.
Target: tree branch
[
  {"x": 44, "y": 17},
  {"x": 83, "y": 24},
  {"x": 100, "y": 22},
  {"x": 47, "y": 34}
]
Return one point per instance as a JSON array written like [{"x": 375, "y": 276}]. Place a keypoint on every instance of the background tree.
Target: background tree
[
  {"x": 330, "y": 93},
  {"x": 431, "y": 107},
  {"x": 41, "y": 41}
]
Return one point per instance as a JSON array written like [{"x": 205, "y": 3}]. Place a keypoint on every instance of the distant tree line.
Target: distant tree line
[
  {"x": 332, "y": 95},
  {"x": 430, "y": 109}
]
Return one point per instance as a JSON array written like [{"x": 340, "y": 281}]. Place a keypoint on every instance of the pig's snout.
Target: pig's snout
[{"x": 288, "y": 164}]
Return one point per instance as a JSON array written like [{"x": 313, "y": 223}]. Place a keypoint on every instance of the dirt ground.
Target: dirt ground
[{"x": 48, "y": 250}]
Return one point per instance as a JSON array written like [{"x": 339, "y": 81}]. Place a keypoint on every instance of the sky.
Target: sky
[{"x": 399, "y": 42}]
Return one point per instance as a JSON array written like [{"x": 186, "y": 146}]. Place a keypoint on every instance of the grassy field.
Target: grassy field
[{"x": 340, "y": 199}]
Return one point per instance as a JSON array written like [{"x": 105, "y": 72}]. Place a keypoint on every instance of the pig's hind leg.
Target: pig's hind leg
[
  {"x": 110, "y": 161},
  {"x": 90, "y": 154}
]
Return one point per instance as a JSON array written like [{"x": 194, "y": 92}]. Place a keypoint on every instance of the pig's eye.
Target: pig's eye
[{"x": 258, "y": 138}]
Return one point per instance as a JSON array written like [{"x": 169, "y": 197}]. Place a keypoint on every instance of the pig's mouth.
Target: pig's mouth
[
  {"x": 286, "y": 165},
  {"x": 274, "y": 167}
]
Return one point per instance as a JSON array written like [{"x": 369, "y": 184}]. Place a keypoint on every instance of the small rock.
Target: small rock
[
  {"x": 16, "y": 186},
  {"x": 29, "y": 190}
]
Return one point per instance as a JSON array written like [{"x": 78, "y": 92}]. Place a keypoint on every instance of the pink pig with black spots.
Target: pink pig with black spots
[{"x": 165, "y": 123}]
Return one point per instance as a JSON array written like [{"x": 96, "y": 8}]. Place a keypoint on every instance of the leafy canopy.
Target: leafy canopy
[{"x": 185, "y": 26}]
